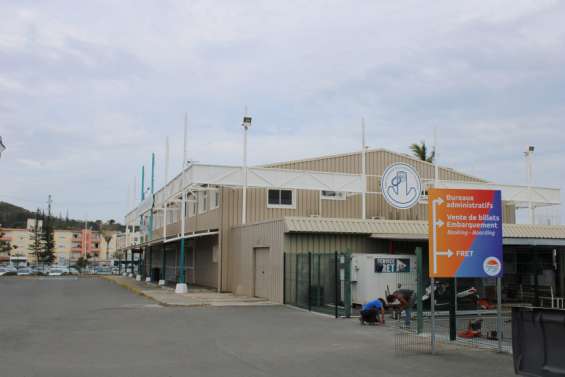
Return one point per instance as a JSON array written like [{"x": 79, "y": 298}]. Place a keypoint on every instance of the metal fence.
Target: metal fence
[
  {"x": 474, "y": 319},
  {"x": 319, "y": 282}
]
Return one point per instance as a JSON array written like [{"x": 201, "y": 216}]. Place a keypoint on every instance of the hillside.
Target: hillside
[{"x": 12, "y": 216}]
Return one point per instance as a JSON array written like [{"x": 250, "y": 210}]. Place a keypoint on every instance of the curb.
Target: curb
[{"x": 132, "y": 289}]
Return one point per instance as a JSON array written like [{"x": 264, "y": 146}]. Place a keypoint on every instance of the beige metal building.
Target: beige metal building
[{"x": 290, "y": 207}]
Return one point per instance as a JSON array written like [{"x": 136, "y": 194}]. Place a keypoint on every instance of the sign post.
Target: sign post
[{"x": 465, "y": 238}]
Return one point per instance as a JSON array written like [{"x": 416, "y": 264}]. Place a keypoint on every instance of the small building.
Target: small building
[{"x": 314, "y": 205}]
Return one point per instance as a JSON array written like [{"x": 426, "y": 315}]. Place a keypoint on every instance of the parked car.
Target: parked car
[
  {"x": 38, "y": 270},
  {"x": 24, "y": 271},
  {"x": 56, "y": 271},
  {"x": 103, "y": 270},
  {"x": 11, "y": 270}
]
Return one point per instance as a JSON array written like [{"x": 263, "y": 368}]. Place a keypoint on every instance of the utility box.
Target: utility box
[{"x": 373, "y": 274}]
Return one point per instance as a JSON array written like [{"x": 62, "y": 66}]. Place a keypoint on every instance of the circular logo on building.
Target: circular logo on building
[
  {"x": 492, "y": 266},
  {"x": 401, "y": 186}
]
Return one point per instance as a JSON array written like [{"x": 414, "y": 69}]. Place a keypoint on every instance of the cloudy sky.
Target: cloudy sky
[{"x": 89, "y": 89}]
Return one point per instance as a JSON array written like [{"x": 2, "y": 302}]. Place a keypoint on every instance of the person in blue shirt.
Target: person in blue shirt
[{"x": 371, "y": 311}]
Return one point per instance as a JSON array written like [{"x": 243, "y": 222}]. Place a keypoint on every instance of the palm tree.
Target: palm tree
[
  {"x": 421, "y": 152},
  {"x": 107, "y": 234}
]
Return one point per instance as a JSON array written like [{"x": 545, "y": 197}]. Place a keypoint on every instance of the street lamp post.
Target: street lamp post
[
  {"x": 529, "y": 153},
  {"x": 246, "y": 124}
]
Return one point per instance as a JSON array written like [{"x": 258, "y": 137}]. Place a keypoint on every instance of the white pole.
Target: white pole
[
  {"x": 244, "y": 201},
  {"x": 432, "y": 280},
  {"x": 436, "y": 168},
  {"x": 363, "y": 171},
  {"x": 134, "y": 189},
  {"x": 166, "y": 181},
  {"x": 181, "y": 286},
  {"x": 183, "y": 197},
  {"x": 128, "y": 205},
  {"x": 530, "y": 204},
  {"x": 433, "y": 313}
]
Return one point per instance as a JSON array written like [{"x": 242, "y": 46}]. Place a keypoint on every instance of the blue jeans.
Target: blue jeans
[{"x": 408, "y": 312}]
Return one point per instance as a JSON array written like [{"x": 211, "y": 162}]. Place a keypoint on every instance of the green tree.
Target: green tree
[
  {"x": 421, "y": 152},
  {"x": 118, "y": 254},
  {"x": 83, "y": 262},
  {"x": 36, "y": 246},
  {"x": 5, "y": 245},
  {"x": 48, "y": 241},
  {"x": 107, "y": 234}
]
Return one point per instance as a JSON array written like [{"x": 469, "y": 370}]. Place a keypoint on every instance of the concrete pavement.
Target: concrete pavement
[
  {"x": 194, "y": 297},
  {"x": 92, "y": 327}
]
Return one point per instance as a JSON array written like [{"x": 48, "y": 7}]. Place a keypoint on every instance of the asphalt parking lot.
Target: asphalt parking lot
[{"x": 92, "y": 327}]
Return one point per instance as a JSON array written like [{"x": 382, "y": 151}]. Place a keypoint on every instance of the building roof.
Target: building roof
[{"x": 406, "y": 229}]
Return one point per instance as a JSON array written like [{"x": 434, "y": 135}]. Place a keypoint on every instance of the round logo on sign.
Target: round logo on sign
[
  {"x": 492, "y": 266},
  {"x": 401, "y": 186}
]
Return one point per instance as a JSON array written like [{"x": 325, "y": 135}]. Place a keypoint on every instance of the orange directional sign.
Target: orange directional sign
[{"x": 465, "y": 233}]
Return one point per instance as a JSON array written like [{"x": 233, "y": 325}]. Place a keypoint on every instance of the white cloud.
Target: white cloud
[
  {"x": 29, "y": 163},
  {"x": 87, "y": 93}
]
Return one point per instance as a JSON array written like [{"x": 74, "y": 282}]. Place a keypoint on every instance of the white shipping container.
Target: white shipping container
[{"x": 372, "y": 274}]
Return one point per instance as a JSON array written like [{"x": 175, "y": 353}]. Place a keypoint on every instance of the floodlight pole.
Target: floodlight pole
[
  {"x": 529, "y": 153},
  {"x": 246, "y": 124},
  {"x": 432, "y": 280}
]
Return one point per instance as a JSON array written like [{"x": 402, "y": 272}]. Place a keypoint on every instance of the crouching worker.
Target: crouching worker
[
  {"x": 373, "y": 312},
  {"x": 406, "y": 299}
]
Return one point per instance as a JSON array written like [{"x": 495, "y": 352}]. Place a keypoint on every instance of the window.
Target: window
[
  {"x": 215, "y": 199},
  {"x": 202, "y": 201},
  {"x": 280, "y": 199},
  {"x": 332, "y": 195}
]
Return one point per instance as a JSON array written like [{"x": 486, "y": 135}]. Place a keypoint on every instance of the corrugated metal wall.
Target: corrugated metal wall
[
  {"x": 308, "y": 202},
  {"x": 243, "y": 240},
  {"x": 327, "y": 243},
  {"x": 206, "y": 270},
  {"x": 377, "y": 161}
]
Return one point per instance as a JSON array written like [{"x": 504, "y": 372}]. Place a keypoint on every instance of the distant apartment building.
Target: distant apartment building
[{"x": 70, "y": 244}]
